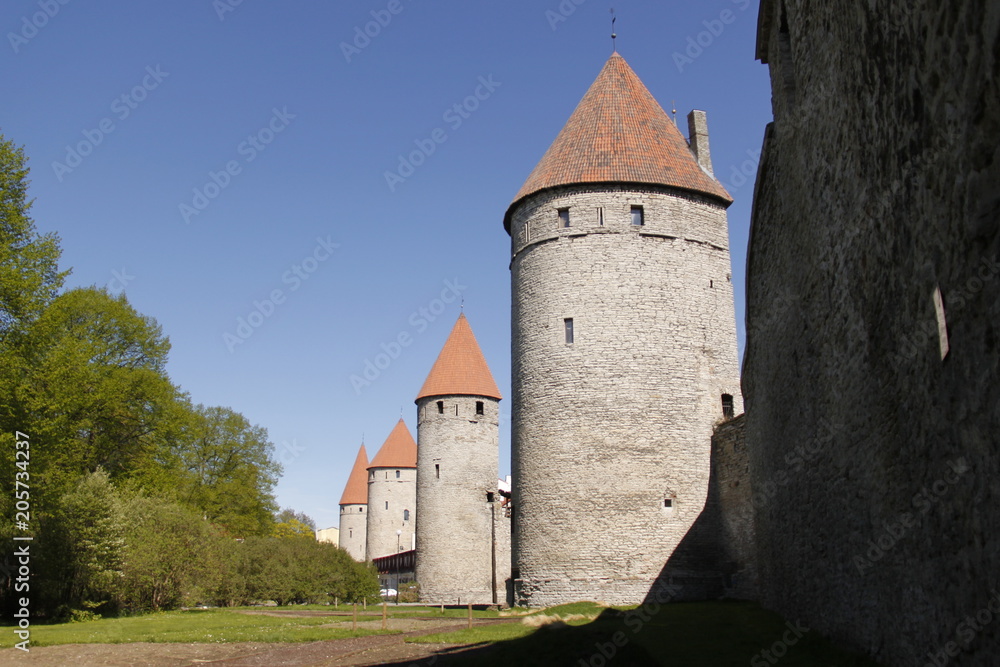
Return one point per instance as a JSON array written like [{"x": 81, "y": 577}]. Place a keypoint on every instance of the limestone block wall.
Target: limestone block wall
[
  {"x": 732, "y": 491},
  {"x": 353, "y": 529},
  {"x": 872, "y": 359},
  {"x": 392, "y": 503},
  {"x": 611, "y": 432},
  {"x": 457, "y": 464}
]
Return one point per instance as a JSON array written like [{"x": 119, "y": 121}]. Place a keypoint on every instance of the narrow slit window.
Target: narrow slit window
[
  {"x": 527, "y": 231},
  {"x": 479, "y": 407},
  {"x": 440, "y": 407},
  {"x": 564, "y": 217},
  {"x": 600, "y": 216},
  {"x": 406, "y": 515},
  {"x": 437, "y": 470},
  {"x": 350, "y": 532},
  {"x": 397, "y": 474},
  {"x": 568, "y": 325},
  {"x": 638, "y": 216},
  {"x": 387, "y": 504},
  {"x": 727, "y": 406}
]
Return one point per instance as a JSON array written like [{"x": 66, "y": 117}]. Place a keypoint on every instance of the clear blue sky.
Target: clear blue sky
[{"x": 154, "y": 97}]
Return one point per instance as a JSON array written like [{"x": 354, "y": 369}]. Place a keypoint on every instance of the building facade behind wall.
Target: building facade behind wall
[
  {"x": 871, "y": 370},
  {"x": 623, "y": 346}
]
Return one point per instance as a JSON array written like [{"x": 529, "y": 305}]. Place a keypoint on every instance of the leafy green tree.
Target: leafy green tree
[
  {"x": 29, "y": 274},
  {"x": 97, "y": 394},
  {"x": 172, "y": 555},
  {"x": 290, "y": 523},
  {"x": 29, "y": 280},
  {"x": 229, "y": 471},
  {"x": 83, "y": 543},
  {"x": 297, "y": 570}
]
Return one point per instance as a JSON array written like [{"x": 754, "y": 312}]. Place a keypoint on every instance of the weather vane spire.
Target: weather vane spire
[{"x": 614, "y": 35}]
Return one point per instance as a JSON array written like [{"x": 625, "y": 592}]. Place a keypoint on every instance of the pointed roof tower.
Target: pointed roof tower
[
  {"x": 356, "y": 491},
  {"x": 619, "y": 134},
  {"x": 460, "y": 369},
  {"x": 398, "y": 451}
]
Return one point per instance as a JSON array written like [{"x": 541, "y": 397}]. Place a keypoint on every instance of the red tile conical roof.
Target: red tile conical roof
[
  {"x": 460, "y": 369},
  {"x": 619, "y": 134},
  {"x": 356, "y": 491},
  {"x": 398, "y": 451}
]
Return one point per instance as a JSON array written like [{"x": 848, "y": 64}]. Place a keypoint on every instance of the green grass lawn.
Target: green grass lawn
[
  {"x": 715, "y": 634},
  {"x": 213, "y": 625},
  {"x": 393, "y": 610}
]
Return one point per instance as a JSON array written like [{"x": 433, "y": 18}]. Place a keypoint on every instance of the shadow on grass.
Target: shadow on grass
[{"x": 688, "y": 634}]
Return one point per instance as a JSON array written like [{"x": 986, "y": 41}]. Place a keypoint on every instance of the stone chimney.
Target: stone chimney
[{"x": 698, "y": 130}]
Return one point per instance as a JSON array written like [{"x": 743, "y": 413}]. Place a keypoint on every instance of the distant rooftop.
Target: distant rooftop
[
  {"x": 460, "y": 369},
  {"x": 398, "y": 451}
]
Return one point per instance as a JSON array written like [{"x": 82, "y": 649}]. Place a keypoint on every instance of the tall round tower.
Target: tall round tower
[
  {"x": 457, "y": 419},
  {"x": 392, "y": 495},
  {"x": 354, "y": 509},
  {"x": 623, "y": 345}
]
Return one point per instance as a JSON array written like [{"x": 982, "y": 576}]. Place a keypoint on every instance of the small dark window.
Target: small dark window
[
  {"x": 387, "y": 504},
  {"x": 406, "y": 515},
  {"x": 638, "y": 217},
  {"x": 437, "y": 470},
  {"x": 668, "y": 502},
  {"x": 564, "y": 217},
  {"x": 397, "y": 474},
  {"x": 600, "y": 216},
  {"x": 440, "y": 407},
  {"x": 489, "y": 496},
  {"x": 479, "y": 407},
  {"x": 350, "y": 533},
  {"x": 727, "y": 406},
  {"x": 568, "y": 324},
  {"x": 361, "y": 509}
]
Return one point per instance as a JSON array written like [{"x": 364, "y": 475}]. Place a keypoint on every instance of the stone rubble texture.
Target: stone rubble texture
[{"x": 879, "y": 184}]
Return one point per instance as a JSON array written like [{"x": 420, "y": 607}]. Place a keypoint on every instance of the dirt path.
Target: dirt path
[{"x": 355, "y": 651}]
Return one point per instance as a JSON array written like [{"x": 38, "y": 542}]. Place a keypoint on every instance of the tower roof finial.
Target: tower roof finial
[{"x": 614, "y": 35}]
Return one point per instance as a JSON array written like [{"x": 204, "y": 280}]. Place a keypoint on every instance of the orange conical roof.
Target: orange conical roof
[
  {"x": 619, "y": 134},
  {"x": 398, "y": 451},
  {"x": 356, "y": 491},
  {"x": 460, "y": 369}
]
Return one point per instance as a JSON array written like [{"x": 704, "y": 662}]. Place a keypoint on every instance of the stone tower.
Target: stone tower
[
  {"x": 392, "y": 495},
  {"x": 624, "y": 349},
  {"x": 457, "y": 419},
  {"x": 354, "y": 509}
]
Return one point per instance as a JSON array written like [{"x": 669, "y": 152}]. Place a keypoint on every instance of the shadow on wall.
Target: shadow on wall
[{"x": 715, "y": 559}]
